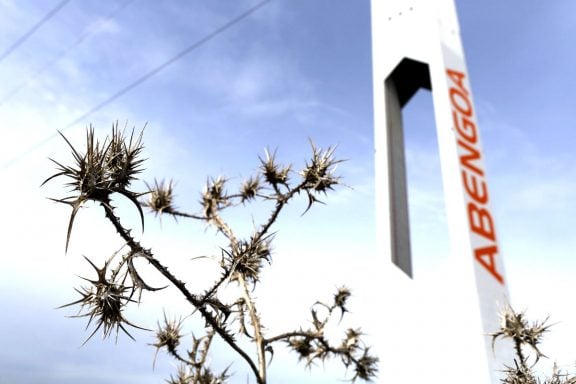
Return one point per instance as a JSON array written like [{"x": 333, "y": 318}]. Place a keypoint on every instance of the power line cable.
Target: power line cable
[
  {"x": 31, "y": 31},
  {"x": 89, "y": 31},
  {"x": 141, "y": 80}
]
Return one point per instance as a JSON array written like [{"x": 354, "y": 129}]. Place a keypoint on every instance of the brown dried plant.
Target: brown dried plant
[
  {"x": 514, "y": 326},
  {"x": 110, "y": 166}
]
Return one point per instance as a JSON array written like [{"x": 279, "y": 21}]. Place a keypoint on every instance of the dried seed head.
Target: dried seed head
[
  {"x": 105, "y": 301},
  {"x": 248, "y": 256},
  {"x": 214, "y": 197},
  {"x": 160, "y": 198},
  {"x": 168, "y": 334},
  {"x": 197, "y": 375},
  {"x": 122, "y": 163},
  {"x": 318, "y": 176},
  {"x": 319, "y": 172},
  {"x": 249, "y": 189},
  {"x": 184, "y": 375},
  {"x": 520, "y": 374},
  {"x": 273, "y": 173},
  {"x": 366, "y": 367},
  {"x": 341, "y": 297},
  {"x": 302, "y": 346},
  {"x": 103, "y": 169},
  {"x": 351, "y": 341},
  {"x": 208, "y": 377},
  {"x": 513, "y": 325}
]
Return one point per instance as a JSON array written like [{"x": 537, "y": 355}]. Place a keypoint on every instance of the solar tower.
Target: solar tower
[{"x": 416, "y": 44}]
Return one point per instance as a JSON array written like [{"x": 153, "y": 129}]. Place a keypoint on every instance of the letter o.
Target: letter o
[{"x": 460, "y": 102}]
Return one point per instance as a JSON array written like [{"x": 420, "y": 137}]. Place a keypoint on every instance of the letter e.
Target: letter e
[{"x": 481, "y": 222}]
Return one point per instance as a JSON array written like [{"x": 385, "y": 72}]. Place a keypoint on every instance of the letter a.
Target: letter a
[
  {"x": 458, "y": 79},
  {"x": 485, "y": 256}
]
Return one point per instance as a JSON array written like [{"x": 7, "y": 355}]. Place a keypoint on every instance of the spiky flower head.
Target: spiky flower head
[
  {"x": 160, "y": 198},
  {"x": 302, "y": 346},
  {"x": 197, "y": 375},
  {"x": 214, "y": 197},
  {"x": 104, "y": 301},
  {"x": 513, "y": 325},
  {"x": 184, "y": 375},
  {"x": 122, "y": 162},
  {"x": 168, "y": 334},
  {"x": 101, "y": 170},
  {"x": 351, "y": 341},
  {"x": 318, "y": 174},
  {"x": 249, "y": 189},
  {"x": 274, "y": 174},
  {"x": 341, "y": 297},
  {"x": 366, "y": 367},
  {"x": 246, "y": 257},
  {"x": 519, "y": 374}
]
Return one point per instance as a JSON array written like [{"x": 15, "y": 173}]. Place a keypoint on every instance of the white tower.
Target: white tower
[{"x": 416, "y": 44}]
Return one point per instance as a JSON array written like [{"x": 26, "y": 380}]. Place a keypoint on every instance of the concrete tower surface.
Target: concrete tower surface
[{"x": 416, "y": 44}]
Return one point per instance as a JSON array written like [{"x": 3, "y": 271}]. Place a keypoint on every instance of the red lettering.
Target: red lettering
[
  {"x": 486, "y": 257},
  {"x": 471, "y": 184},
  {"x": 479, "y": 217},
  {"x": 467, "y": 159},
  {"x": 458, "y": 78},
  {"x": 465, "y": 109},
  {"x": 481, "y": 221},
  {"x": 465, "y": 127}
]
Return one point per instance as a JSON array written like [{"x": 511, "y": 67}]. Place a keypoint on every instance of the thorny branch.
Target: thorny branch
[
  {"x": 514, "y": 326},
  {"x": 110, "y": 167},
  {"x": 313, "y": 345}
]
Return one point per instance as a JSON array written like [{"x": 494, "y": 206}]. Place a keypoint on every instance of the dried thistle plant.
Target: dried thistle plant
[
  {"x": 515, "y": 326},
  {"x": 111, "y": 166}
]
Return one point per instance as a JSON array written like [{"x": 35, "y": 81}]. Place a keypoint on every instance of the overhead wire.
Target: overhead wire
[
  {"x": 89, "y": 32},
  {"x": 34, "y": 28},
  {"x": 198, "y": 43}
]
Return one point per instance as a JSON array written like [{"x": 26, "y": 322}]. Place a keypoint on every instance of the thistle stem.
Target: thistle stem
[
  {"x": 199, "y": 304},
  {"x": 258, "y": 338}
]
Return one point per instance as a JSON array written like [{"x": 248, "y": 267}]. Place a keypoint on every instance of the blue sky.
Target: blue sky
[{"x": 291, "y": 71}]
